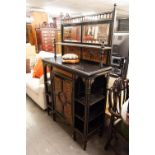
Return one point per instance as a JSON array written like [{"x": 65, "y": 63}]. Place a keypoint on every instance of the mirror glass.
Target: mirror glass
[
  {"x": 72, "y": 33},
  {"x": 96, "y": 33}
]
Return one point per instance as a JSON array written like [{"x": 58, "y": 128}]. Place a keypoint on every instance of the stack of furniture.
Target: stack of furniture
[
  {"x": 45, "y": 39},
  {"x": 77, "y": 92}
]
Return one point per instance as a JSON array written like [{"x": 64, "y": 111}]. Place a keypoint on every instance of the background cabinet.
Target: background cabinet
[
  {"x": 45, "y": 39},
  {"x": 31, "y": 35}
]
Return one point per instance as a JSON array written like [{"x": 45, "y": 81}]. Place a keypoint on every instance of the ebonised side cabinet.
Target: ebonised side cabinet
[
  {"x": 77, "y": 94},
  {"x": 78, "y": 91}
]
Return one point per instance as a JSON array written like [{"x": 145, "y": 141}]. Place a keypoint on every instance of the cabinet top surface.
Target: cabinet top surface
[{"x": 83, "y": 68}]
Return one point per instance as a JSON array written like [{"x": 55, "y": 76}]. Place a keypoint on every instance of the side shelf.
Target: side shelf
[
  {"x": 93, "y": 98},
  {"x": 89, "y": 106},
  {"x": 94, "y": 110}
]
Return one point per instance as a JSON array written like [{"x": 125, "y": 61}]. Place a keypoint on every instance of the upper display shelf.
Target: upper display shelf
[
  {"x": 83, "y": 45},
  {"x": 89, "y": 18},
  {"x": 91, "y": 29},
  {"x": 91, "y": 33}
]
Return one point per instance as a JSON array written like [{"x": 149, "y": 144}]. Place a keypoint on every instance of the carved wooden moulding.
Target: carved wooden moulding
[{"x": 90, "y": 54}]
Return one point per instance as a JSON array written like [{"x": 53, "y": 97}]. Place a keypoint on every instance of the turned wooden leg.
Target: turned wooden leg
[
  {"x": 74, "y": 136},
  {"x": 48, "y": 112},
  {"x": 101, "y": 132},
  {"x": 84, "y": 145},
  {"x": 54, "y": 117}
]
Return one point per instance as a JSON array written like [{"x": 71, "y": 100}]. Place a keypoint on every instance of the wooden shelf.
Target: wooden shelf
[
  {"x": 79, "y": 117},
  {"x": 78, "y": 131},
  {"x": 92, "y": 126},
  {"x": 83, "y": 45},
  {"x": 92, "y": 130},
  {"x": 95, "y": 124},
  {"x": 95, "y": 116},
  {"x": 91, "y": 118},
  {"x": 94, "y": 98}
]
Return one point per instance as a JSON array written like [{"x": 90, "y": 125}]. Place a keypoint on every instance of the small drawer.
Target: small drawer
[{"x": 58, "y": 70}]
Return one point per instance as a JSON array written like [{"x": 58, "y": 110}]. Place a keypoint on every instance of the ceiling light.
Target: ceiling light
[{"x": 56, "y": 10}]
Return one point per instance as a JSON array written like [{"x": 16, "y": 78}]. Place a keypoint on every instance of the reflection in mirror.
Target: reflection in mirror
[
  {"x": 72, "y": 33},
  {"x": 96, "y": 34}
]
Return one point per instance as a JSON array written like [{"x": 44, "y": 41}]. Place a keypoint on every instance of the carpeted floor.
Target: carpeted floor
[{"x": 46, "y": 137}]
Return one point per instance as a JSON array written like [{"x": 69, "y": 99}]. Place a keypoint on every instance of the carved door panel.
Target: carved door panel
[
  {"x": 63, "y": 97},
  {"x": 58, "y": 88},
  {"x": 67, "y": 89}
]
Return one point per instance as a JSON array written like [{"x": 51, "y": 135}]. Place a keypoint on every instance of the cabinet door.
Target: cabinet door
[
  {"x": 58, "y": 89},
  {"x": 63, "y": 97},
  {"x": 67, "y": 89}
]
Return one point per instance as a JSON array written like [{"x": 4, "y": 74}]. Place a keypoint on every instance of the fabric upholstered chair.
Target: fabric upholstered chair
[{"x": 117, "y": 95}]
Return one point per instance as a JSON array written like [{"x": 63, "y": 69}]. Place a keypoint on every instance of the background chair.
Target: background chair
[{"x": 117, "y": 95}]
